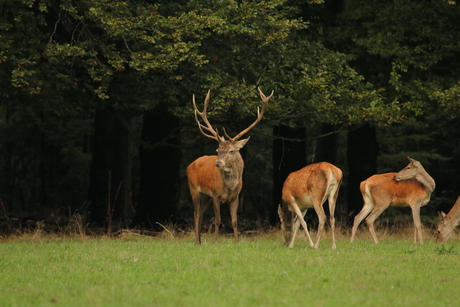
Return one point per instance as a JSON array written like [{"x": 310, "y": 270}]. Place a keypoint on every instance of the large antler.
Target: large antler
[
  {"x": 214, "y": 135},
  {"x": 213, "y": 132},
  {"x": 265, "y": 100}
]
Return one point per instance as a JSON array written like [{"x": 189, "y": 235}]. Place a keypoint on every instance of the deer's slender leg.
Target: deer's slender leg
[{"x": 234, "y": 216}]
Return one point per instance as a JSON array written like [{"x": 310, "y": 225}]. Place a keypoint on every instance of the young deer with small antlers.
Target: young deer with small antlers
[
  {"x": 448, "y": 222},
  {"x": 308, "y": 188},
  {"x": 411, "y": 187},
  {"x": 218, "y": 179}
]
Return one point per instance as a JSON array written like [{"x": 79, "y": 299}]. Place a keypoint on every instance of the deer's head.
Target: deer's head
[
  {"x": 287, "y": 222},
  {"x": 444, "y": 229},
  {"x": 410, "y": 171}
]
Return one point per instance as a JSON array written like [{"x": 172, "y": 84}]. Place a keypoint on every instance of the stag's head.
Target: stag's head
[
  {"x": 228, "y": 152},
  {"x": 410, "y": 171},
  {"x": 229, "y": 147}
]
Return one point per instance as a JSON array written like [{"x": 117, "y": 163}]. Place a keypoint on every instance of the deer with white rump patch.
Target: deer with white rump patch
[
  {"x": 218, "y": 179},
  {"x": 308, "y": 188},
  {"x": 411, "y": 187}
]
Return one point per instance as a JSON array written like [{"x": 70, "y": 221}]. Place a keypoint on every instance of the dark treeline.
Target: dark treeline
[{"x": 96, "y": 113}]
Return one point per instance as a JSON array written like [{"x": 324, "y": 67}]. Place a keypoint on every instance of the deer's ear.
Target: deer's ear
[
  {"x": 240, "y": 144},
  {"x": 414, "y": 162},
  {"x": 280, "y": 213}
]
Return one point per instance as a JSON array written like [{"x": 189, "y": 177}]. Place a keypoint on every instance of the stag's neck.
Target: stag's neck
[
  {"x": 232, "y": 175},
  {"x": 427, "y": 181}
]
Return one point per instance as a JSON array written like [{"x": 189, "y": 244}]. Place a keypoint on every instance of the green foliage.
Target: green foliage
[
  {"x": 449, "y": 99},
  {"x": 334, "y": 93},
  {"x": 227, "y": 46},
  {"x": 414, "y": 56}
]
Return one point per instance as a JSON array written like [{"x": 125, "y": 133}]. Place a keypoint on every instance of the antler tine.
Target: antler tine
[
  {"x": 208, "y": 127},
  {"x": 225, "y": 133},
  {"x": 263, "y": 97},
  {"x": 260, "y": 114}
]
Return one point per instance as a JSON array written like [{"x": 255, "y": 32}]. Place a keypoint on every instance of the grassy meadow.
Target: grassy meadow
[{"x": 134, "y": 270}]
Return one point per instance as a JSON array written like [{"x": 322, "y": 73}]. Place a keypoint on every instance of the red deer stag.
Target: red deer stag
[
  {"x": 218, "y": 179},
  {"x": 411, "y": 187},
  {"x": 448, "y": 222},
  {"x": 308, "y": 188}
]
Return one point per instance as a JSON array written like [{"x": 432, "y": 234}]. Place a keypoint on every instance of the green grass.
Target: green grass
[{"x": 259, "y": 271}]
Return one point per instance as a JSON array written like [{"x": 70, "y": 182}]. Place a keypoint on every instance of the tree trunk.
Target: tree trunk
[
  {"x": 327, "y": 147},
  {"x": 289, "y": 154},
  {"x": 110, "y": 189},
  {"x": 159, "y": 167},
  {"x": 362, "y": 163}
]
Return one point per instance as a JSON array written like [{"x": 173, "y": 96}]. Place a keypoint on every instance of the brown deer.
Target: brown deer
[
  {"x": 448, "y": 222},
  {"x": 411, "y": 187},
  {"x": 308, "y": 188},
  {"x": 218, "y": 179}
]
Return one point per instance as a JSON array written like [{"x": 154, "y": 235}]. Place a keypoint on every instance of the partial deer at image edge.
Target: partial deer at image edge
[{"x": 448, "y": 223}]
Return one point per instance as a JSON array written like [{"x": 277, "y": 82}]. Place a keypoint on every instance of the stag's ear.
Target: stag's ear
[{"x": 240, "y": 144}]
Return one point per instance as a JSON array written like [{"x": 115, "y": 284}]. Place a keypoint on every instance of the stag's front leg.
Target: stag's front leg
[
  {"x": 216, "y": 205},
  {"x": 234, "y": 215}
]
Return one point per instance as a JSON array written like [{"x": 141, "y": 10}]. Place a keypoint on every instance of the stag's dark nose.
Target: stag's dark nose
[
  {"x": 396, "y": 178},
  {"x": 219, "y": 163}
]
